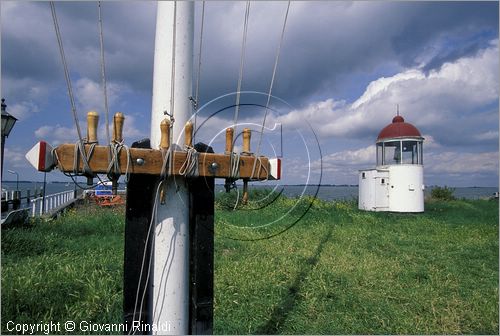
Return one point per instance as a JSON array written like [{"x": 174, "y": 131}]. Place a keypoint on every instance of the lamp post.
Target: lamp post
[
  {"x": 8, "y": 122},
  {"x": 17, "y": 178}
]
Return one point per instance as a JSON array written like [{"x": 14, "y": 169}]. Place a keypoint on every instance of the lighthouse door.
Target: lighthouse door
[{"x": 382, "y": 191}]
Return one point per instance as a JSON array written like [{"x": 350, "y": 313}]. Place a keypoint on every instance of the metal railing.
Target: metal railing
[
  {"x": 9, "y": 195},
  {"x": 54, "y": 201},
  {"x": 26, "y": 195}
]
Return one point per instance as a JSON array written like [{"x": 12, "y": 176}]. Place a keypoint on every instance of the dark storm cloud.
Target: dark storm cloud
[
  {"x": 29, "y": 45},
  {"x": 457, "y": 50},
  {"x": 324, "y": 42},
  {"x": 327, "y": 41},
  {"x": 18, "y": 60},
  {"x": 425, "y": 22}
]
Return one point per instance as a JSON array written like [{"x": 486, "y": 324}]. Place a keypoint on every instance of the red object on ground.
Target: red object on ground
[{"x": 109, "y": 200}]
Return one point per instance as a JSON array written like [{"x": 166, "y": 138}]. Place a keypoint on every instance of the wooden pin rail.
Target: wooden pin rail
[
  {"x": 150, "y": 161},
  {"x": 209, "y": 164}
]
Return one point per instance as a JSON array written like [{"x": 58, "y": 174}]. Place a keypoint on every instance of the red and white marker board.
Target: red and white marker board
[{"x": 40, "y": 157}]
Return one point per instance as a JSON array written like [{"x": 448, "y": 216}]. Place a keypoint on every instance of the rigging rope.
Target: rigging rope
[
  {"x": 189, "y": 167},
  {"x": 80, "y": 150},
  {"x": 66, "y": 72},
  {"x": 271, "y": 85},
  {"x": 151, "y": 224},
  {"x": 172, "y": 78},
  {"x": 166, "y": 167},
  {"x": 198, "y": 76},
  {"x": 234, "y": 173},
  {"x": 80, "y": 145},
  {"x": 242, "y": 61},
  {"x": 114, "y": 163},
  {"x": 103, "y": 70}
]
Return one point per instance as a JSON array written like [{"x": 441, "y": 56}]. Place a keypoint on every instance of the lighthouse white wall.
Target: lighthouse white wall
[
  {"x": 398, "y": 188},
  {"x": 406, "y": 191}
]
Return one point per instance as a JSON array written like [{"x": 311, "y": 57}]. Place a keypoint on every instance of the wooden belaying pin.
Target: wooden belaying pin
[
  {"x": 189, "y": 134},
  {"x": 118, "y": 121},
  {"x": 164, "y": 145},
  {"x": 92, "y": 121},
  {"x": 244, "y": 199},
  {"x": 165, "y": 134},
  {"x": 246, "y": 151},
  {"x": 229, "y": 140},
  {"x": 246, "y": 141}
]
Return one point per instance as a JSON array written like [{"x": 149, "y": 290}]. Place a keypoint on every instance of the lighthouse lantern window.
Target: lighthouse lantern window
[
  {"x": 399, "y": 152},
  {"x": 380, "y": 154},
  {"x": 411, "y": 152},
  {"x": 391, "y": 152}
]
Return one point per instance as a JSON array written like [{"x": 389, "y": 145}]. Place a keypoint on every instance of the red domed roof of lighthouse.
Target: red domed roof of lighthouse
[{"x": 399, "y": 129}]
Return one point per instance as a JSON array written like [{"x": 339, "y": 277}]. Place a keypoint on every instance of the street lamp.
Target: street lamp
[
  {"x": 17, "y": 178},
  {"x": 8, "y": 122}
]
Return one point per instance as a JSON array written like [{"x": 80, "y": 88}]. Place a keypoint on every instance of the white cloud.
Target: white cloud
[
  {"x": 447, "y": 97},
  {"x": 430, "y": 142},
  {"x": 461, "y": 163},
  {"x": 342, "y": 167},
  {"x": 14, "y": 157},
  {"x": 23, "y": 96},
  {"x": 23, "y": 109},
  {"x": 382, "y": 85},
  {"x": 357, "y": 157},
  {"x": 131, "y": 132},
  {"x": 489, "y": 135},
  {"x": 90, "y": 95},
  {"x": 56, "y": 135}
]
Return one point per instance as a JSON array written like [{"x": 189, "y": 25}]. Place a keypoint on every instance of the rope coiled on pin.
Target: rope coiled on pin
[
  {"x": 234, "y": 172},
  {"x": 167, "y": 165},
  {"x": 80, "y": 152},
  {"x": 115, "y": 149},
  {"x": 190, "y": 166},
  {"x": 259, "y": 170}
]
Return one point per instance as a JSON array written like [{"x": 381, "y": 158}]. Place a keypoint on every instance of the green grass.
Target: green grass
[
  {"x": 334, "y": 270},
  {"x": 67, "y": 269}
]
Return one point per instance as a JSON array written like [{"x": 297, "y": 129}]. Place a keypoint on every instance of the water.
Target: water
[
  {"x": 324, "y": 192},
  {"x": 329, "y": 193},
  {"x": 51, "y": 188}
]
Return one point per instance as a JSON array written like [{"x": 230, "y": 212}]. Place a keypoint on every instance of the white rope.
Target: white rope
[
  {"x": 234, "y": 172},
  {"x": 151, "y": 224},
  {"x": 197, "y": 90},
  {"x": 114, "y": 163},
  {"x": 261, "y": 167},
  {"x": 80, "y": 151},
  {"x": 103, "y": 70},
  {"x": 66, "y": 71},
  {"x": 73, "y": 177},
  {"x": 167, "y": 165},
  {"x": 242, "y": 62},
  {"x": 271, "y": 85},
  {"x": 189, "y": 167}
]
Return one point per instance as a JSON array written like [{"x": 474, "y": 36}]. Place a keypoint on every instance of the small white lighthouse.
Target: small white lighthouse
[{"x": 397, "y": 182}]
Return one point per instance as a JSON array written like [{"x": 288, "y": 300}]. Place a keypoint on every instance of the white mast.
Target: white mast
[{"x": 170, "y": 303}]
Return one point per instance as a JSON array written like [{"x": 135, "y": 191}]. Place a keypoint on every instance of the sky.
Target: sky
[{"x": 343, "y": 68}]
